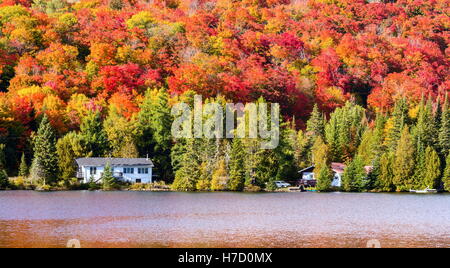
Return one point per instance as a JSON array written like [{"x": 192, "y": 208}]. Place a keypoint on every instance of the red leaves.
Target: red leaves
[{"x": 126, "y": 79}]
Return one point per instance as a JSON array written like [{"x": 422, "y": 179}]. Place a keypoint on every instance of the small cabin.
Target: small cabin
[
  {"x": 308, "y": 177},
  {"x": 132, "y": 170}
]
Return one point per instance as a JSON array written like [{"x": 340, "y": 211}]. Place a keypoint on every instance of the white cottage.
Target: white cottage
[
  {"x": 309, "y": 177},
  {"x": 133, "y": 170}
]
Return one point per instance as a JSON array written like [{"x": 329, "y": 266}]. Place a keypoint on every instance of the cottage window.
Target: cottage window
[
  {"x": 128, "y": 170},
  {"x": 143, "y": 170},
  {"x": 93, "y": 171}
]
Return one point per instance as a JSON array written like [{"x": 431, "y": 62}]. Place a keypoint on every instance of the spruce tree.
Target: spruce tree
[
  {"x": 154, "y": 137},
  {"x": 45, "y": 156},
  {"x": 354, "y": 178},
  {"x": 23, "y": 168},
  {"x": 446, "y": 176},
  {"x": 444, "y": 132},
  {"x": 385, "y": 180},
  {"x": 162, "y": 136},
  {"x": 404, "y": 162},
  {"x": 94, "y": 135},
  {"x": 344, "y": 131},
  {"x": 400, "y": 117},
  {"x": 424, "y": 131},
  {"x": 237, "y": 166},
  {"x": 315, "y": 127},
  {"x": 432, "y": 174},
  {"x": 189, "y": 172},
  {"x": 108, "y": 180},
  {"x": 324, "y": 178},
  {"x": 420, "y": 167}
]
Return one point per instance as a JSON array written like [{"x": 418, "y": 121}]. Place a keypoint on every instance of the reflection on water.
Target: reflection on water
[{"x": 145, "y": 219}]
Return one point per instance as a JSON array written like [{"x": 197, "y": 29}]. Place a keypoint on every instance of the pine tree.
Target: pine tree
[
  {"x": 400, "y": 117},
  {"x": 385, "y": 180},
  {"x": 444, "y": 132},
  {"x": 4, "y": 181},
  {"x": 237, "y": 166},
  {"x": 344, "y": 131},
  {"x": 94, "y": 135},
  {"x": 154, "y": 136},
  {"x": 420, "y": 167},
  {"x": 354, "y": 178},
  {"x": 162, "y": 136},
  {"x": 45, "y": 156},
  {"x": 404, "y": 162},
  {"x": 446, "y": 176},
  {"x": 315, "y": 127},
  {"x": 424, "y": 131},
  {"x": 432, "y": 174},
  {"x": 189, "y": 172},
  {"x": 108, "y": 180},
  {"x": 325, "y": 178},
  {"x": 23, "y": 168}
]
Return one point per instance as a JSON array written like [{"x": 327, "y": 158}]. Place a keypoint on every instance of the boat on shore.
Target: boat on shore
[{"x": 425, "y": 191}]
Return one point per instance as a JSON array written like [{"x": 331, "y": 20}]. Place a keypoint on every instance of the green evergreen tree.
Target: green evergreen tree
[
  {"x": 189, "y": 172},
  {"x": 94, "y": 135},
  {"x": 315, "y": 127},
  {"x": 45, "y": 156},
  {"x": 302, "y": 150},
  {"x": 420, "y": 167},
  {"x": 23, "y": 168},
  {"x": 400, "y": 117},
  {"x": 344, "y": 131},
  {"x": 237, "y": 166},
  {"x": 324, "y": 178},
  {"x": 154, "y": 137},
  {"x": 404, "y": 162},
  {"x": 424, "y": 131},
  {"x": 432, "y": 172},
  {"x": 444, "y": 131},
  {"x": 108, "y": 180},
  {"x": 385, "y": 180},
  {"x": 4, "y": 181},
  {"x": 354, "y": 178},
  {"x": 446, "y": 176}
]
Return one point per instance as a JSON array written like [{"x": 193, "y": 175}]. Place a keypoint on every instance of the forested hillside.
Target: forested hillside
[{"x": 105, "y": 72}]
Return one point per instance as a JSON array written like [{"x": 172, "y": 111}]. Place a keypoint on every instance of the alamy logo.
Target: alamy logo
[{"x": 214, "y": 121}]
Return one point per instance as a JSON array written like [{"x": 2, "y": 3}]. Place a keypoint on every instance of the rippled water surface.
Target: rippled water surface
[{"x": 147, "y": 219}]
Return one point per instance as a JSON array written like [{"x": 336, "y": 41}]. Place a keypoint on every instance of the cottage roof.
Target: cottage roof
[
  {"x": 97, "y": 161},
  {"x": 336, "y": 167}
]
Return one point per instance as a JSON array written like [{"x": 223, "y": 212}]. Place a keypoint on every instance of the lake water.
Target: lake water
[{"x": 149, "y": 219}]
